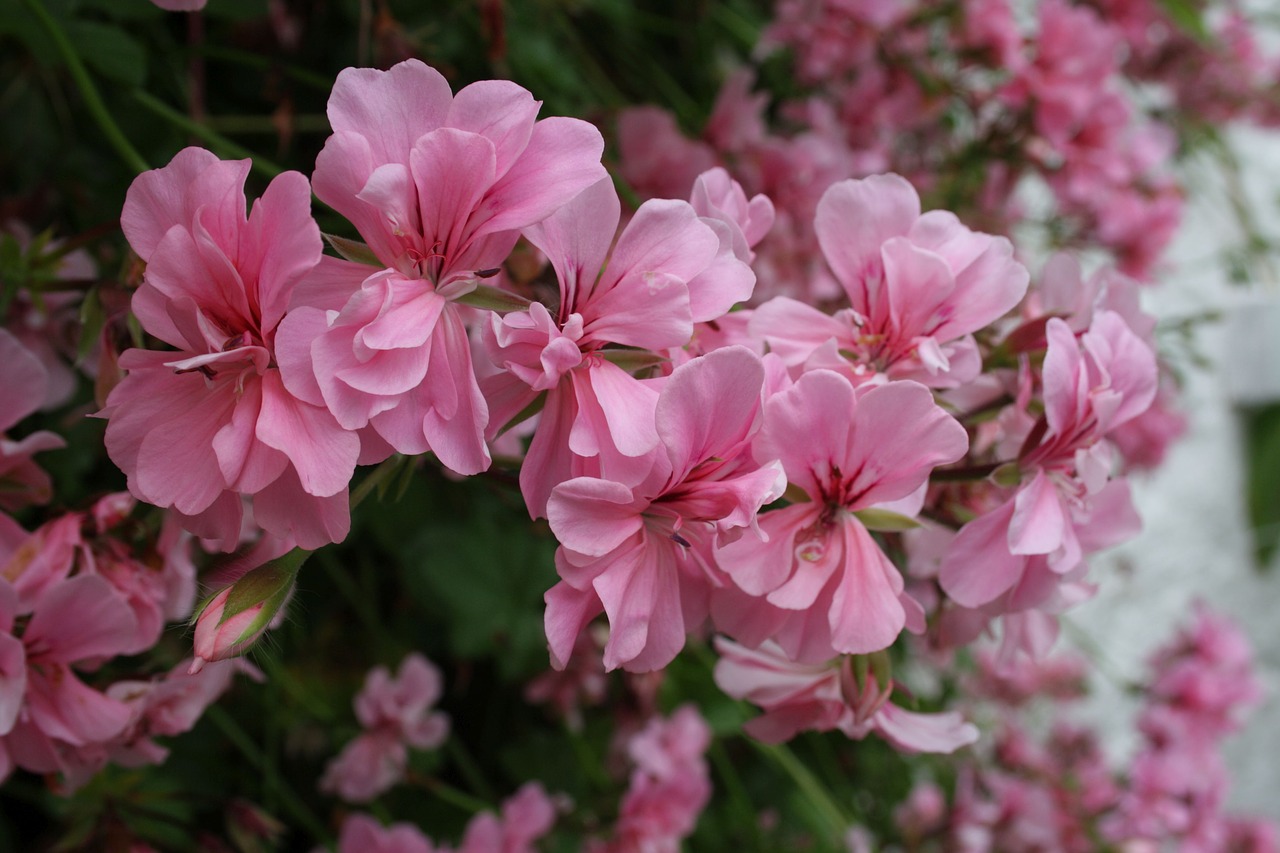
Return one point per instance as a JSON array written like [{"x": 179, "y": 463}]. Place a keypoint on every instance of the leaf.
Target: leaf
[
  {"x": 494, "y": 299},
  {"x": 1187, "y": 17},
  {"x": 353, "y": 250},
  {"x": 109, "y": 50},
  {"x": 885, "y": 521}
]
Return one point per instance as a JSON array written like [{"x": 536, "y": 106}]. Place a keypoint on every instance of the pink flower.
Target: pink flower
[
  {"x": 395, "y": 714},
  {"x": 362, "y": 833},
  {"x": 640, "y": 549},
  {"x": 822, "y": 697},
  {"x": 197, "y": 428},
  {"x": 438, "y": 185},
  {"x": 824, "y": 584},
  {"x": 669, "y": 787},
  {"x": 1091, "y": 387},
  {"x": 23, "y": 384},
  {"x": 595, "y": 414},
  {"x": 918, "y": 287},
  {"x": 526, "y": 816}
]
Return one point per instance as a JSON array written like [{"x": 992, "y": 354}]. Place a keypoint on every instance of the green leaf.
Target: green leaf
[
  {"x": 109, "y": 50},
  {"x": 353, "y": 250},
  {"x": 885, "y": 521},
  {"x": 494, "y": 299},
  {"x": 1187, "y": 17}
]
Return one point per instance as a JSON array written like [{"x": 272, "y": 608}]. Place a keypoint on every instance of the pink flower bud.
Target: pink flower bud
[{"x": 233, "y": 620}]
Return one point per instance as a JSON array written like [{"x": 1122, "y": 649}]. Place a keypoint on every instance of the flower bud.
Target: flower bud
[{"x": 233, "y": 619}]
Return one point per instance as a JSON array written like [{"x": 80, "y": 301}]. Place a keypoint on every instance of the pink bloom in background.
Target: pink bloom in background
[
  {"x": 395, "y": 714},
  {"x": 640, "y": 549},
  {"x": 918, "y": 287},
  {"x": 820, "y": 584},
  {"x": 197, "y": 428},
  {"x": 362, "y": 833},
  {"x": 526, "y": 817},
  {"x": 439, "y": 186},
  {"x": 670, "y": 785}
]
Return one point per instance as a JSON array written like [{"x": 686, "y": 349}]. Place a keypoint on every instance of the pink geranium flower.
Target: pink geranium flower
[
  {"x": 1091, "y": 386},
  {"x": 197, "y": 428},
  {"x": 798, "y": 697},
  {"x": 395, "y": 714},
  {"x": 918, "y": 287},
  {"x": 640, "y": 549},
  {"x": 439, "y": 185},
  {"x": 595, "y": 413},
  {"x": 823, "y": 584}
]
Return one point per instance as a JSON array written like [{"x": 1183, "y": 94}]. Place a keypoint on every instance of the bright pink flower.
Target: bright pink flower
[
  {"x": 197, "y": 428},
  {"x": 596, "y": 415},
  {"x": 819, "y": 563},
  {"x": 639, "y": 550},
  {"x": 918, "y": 287},
  {"x": 438, "y": 185}
]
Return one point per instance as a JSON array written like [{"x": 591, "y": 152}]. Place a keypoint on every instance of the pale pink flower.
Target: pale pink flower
[
  {"x": 640, "y": 550},
  {"x": 197, "y": 428},
  {"x": 439, "y": 186},
  {"x": 669, "y": 786},
  {"x": 802, "y": 696},
  {"x": 362, "y": 833},
  {"x": 395, "y": 714},
  {"x": 526, "y": 816},
  {"x": 825, "y": 586},
  {"x": 918, "y": 287}
]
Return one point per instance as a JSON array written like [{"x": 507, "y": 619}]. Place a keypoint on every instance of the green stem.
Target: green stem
[
  {"x": 203, "y": 132},
  {"x": 746, "y": 816},
  {"x": 290, "y": 800},
  {"x": 469, "y": 768},
  {"x": 450, "y": 794},
  {"x": 88, "y": 91},
  {"x": 827, "y": 809}
]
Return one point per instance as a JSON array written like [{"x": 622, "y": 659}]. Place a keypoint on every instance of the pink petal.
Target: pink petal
[
  {"x": 391, "y": 108},
  {"x": 323, "y": 453},
  {"x": 913, "y": 732},
  {"x": 900, "y": 435},
  {"x": 978, "y": 567},
  {"x": 83, "y": 617},
  {"x": 162, "y": 198},
  {"x": 561, "y": 160},
  {"x": 642, "y": 600},
  {"x": 568, "y": 612},
  {"x": 23, "y": 380},
  {"x": 854, "y": 218},
  {"x": 593, "y": 516},
  {"x": 499, "y": 110},
  {"x": 727, "y": 382},
  {"x": 1039, "y": 518},
  {"x": 866, "y": 615}
]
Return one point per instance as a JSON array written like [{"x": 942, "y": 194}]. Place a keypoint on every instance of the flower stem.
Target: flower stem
[{"x": 88, "y": 91}]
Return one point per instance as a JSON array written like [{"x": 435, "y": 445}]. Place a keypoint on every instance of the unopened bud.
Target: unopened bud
[{"x": 233, "y": 619}]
